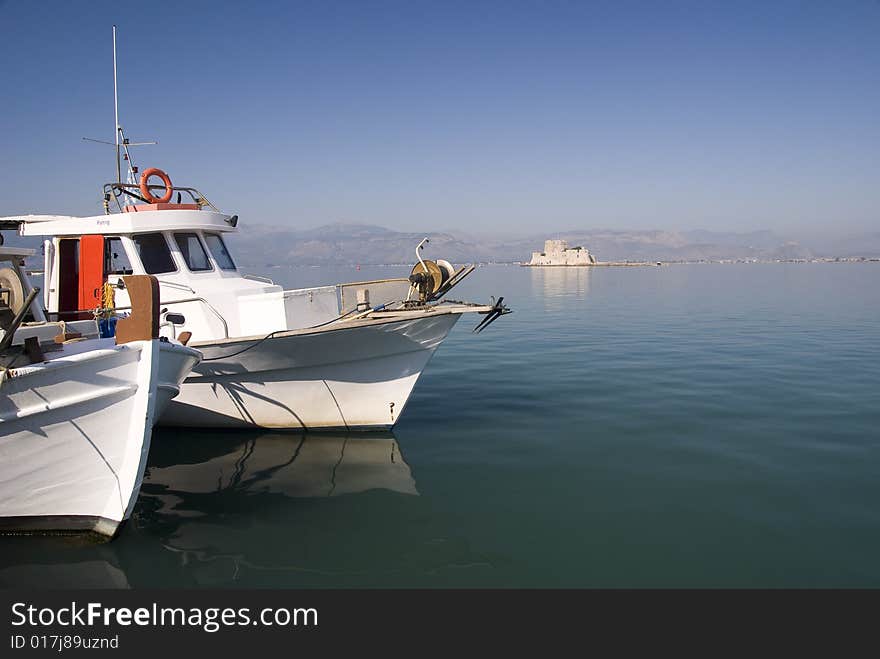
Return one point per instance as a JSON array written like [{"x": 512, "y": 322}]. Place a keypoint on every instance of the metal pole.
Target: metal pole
[
  {"x": 418, "y": 253},
  {"x": 116, "y": 111},
  {"x": 36, "y": 308},
  {"x": 10, "y": 333}
]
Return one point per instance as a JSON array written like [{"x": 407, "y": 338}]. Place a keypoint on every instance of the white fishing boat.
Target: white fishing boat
[
  {"x": 76, "y": 413},
  {"x": 344, "y": 356}
]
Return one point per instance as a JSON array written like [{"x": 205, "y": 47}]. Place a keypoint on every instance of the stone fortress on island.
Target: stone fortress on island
[{"x": 557, "y": 252}]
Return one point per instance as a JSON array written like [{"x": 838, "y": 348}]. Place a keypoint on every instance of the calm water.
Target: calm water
[{"x": 676, "y": 426}]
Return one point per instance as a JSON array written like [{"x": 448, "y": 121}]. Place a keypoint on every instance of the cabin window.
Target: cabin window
[
  {"x": 218, "y": 249},
  {"x": 154, "y": 253},
  {"x": 115, "y": 259},
  {"x": 193, "y": 253}
]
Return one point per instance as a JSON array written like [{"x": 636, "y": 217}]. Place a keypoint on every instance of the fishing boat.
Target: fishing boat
[
  {"x": 340, "y": 357},
  {"x": 344, "y": 356},
  {"x": 76, "y": 413}
]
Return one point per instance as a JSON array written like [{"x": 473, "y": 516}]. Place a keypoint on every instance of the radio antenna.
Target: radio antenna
[
  {"x": 120, "y": 141},
  {"x": 116, "y": 111}
]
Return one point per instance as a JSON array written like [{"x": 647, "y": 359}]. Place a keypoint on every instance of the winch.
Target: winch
[{"x": 432, "y": 279}]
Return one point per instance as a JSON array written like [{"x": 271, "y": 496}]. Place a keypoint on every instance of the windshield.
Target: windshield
[
  {"x": 193, "y": 253},
  {"x": 154, "y": 253},
  {"x": 218, "y": 249}
]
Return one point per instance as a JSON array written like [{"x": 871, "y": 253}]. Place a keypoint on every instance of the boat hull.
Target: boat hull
[
  {"x": 75, "y": 434},
  {"x": 175, "y": 364},
  {"x": 354, "y": 378}
]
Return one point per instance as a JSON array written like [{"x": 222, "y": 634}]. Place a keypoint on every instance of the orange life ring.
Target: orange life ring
[{"x": 145, "y": 188}]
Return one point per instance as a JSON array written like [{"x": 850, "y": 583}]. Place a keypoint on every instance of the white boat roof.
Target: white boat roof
[
  {"x": 121, "y": 223},
  {"x": 12, "y": 253}
]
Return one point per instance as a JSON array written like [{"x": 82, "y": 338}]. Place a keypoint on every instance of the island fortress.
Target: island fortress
[{"x": 557, "y": 252}]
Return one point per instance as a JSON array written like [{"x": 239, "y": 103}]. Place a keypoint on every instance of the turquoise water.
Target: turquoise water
[{"x": 705, "y": 425}]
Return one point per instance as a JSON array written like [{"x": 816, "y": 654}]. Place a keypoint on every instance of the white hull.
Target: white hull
[
  {"x": 173, "y": 370},
  {"x": 75, "y": 434},
  {"x": 352, "y": 378}
]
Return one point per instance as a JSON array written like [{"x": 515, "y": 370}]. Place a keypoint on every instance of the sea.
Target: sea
[{"x": 698, "y": 426}]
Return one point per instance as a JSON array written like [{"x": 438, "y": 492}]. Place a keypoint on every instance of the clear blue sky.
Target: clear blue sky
[{"x": 520, "y": 116}]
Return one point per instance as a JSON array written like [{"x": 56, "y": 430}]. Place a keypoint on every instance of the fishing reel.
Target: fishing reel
[{"x": 431, "y": 279}]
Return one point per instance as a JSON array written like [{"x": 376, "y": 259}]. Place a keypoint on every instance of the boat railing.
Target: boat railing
[
  {"x": 379, "y": 292},
  {"x": 163, "y": 303},
  {"x": 258, "y": 278},
  {"x": 174, "y": 284},
  {"x": 117, "y": 192},
  {"x": 210, "y": 307}
]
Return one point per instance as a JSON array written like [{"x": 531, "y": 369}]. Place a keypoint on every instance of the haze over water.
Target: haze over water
[{"x": 669, "y": 426}]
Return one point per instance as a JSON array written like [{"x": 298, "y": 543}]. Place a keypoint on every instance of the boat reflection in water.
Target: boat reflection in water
[
  {"x": 261, "y": 509},
  {"x": 265, "y": 508},
  {"x": 292, "y": 465}
]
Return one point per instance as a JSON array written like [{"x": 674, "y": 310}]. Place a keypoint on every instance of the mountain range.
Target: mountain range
[
  {"x": 349, "y": 244},
  {"x": 257, "y": 245}
]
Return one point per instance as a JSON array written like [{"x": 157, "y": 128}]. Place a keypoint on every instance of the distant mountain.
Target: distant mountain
[
  {"x": 864, "y": 244},
  {"x": 752, "y": 239},
  {"x": 348, "y": 244},
  {"x": 257, "y": 245}
]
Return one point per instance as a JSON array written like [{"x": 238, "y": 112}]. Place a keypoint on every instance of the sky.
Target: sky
[{"x": 511, "y": 117}]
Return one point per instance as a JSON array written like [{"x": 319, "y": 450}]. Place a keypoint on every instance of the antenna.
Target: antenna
[
  {"x": 116, "y": 110},
  {"x": 123, "y": 144}
]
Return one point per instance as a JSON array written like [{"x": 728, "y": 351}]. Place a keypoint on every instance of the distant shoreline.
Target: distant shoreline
[
  {"x": 855, "y": 259},
  {"x": 598, "y": 264},
  {"x": 593, "y": 265}
]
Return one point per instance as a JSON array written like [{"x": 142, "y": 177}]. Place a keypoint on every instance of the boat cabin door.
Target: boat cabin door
[
  {"x": 84, "y": 265},
  {"x": 91, "y": 271},
  {"x": 80, "y": 276}
]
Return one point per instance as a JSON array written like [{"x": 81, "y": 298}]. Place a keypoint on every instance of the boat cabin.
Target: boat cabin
[
  {"x": 185, "y": 249},
  {"x": 185, "y": 246}
]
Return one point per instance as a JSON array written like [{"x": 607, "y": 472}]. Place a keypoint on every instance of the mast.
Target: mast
[
  {"x": 120, "y": 141},
  {"x": 116, "y": 111}
]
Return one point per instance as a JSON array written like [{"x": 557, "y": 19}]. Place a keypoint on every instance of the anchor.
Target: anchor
[{"x": 498, "y": 309}]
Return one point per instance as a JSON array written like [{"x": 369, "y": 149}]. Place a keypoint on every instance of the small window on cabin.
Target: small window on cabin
[
  {"x": 115, "y": 259},
  {"x": 218, "y": 249},
  {"x": 193, "y": 253},
  {"x": 154, "y": 253}
]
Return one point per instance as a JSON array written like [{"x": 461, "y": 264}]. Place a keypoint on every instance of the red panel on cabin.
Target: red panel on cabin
[{"x": 91, "y": 271}]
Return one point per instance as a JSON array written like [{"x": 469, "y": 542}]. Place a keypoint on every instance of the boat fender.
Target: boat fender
[{"x": 145, "y": 186}]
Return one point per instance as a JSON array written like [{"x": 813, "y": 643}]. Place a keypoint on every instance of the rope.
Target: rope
[
  {"x": 108, "y": 302},
  {"x": 270, "y": 335}
]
